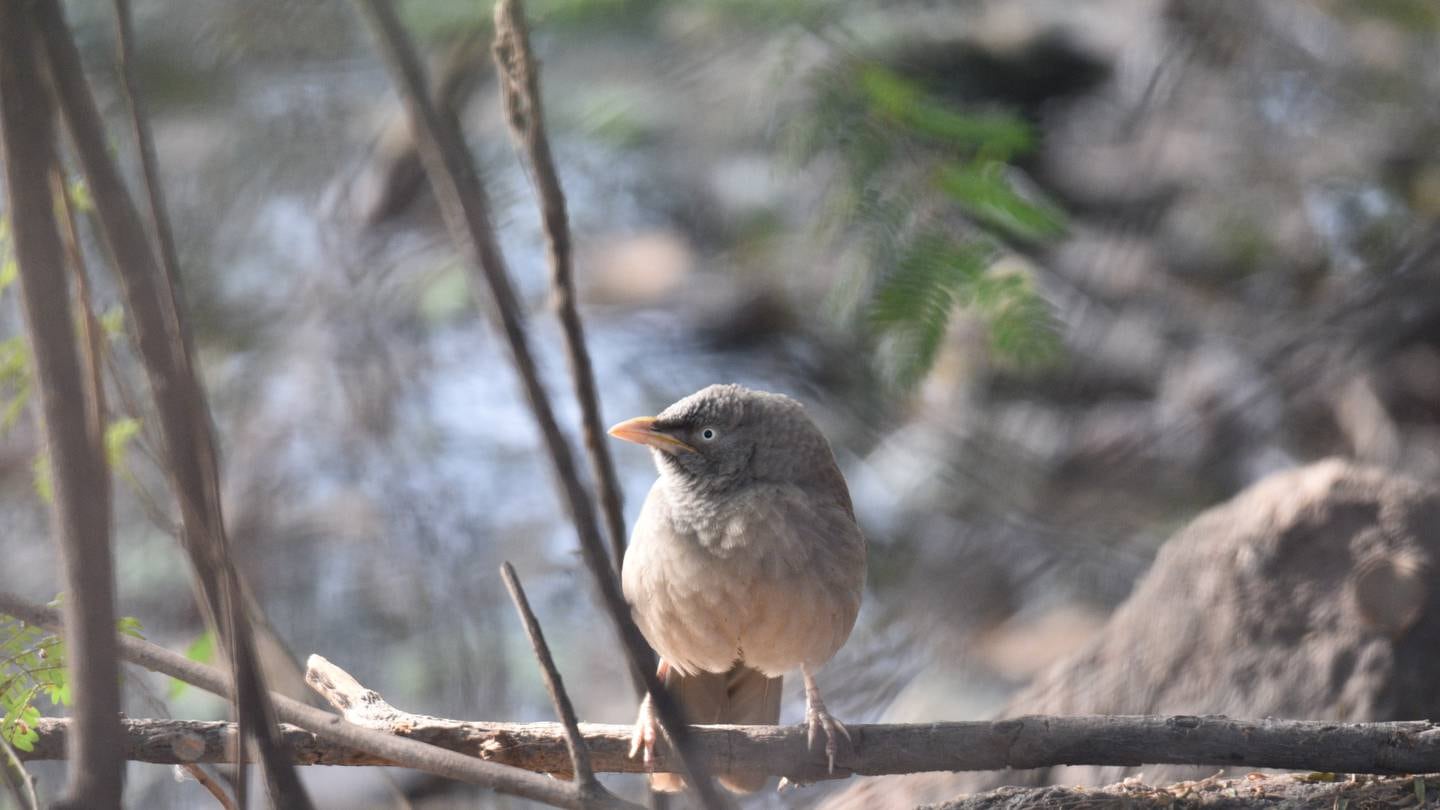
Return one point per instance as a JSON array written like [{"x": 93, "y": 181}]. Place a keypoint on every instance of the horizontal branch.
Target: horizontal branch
[
  {"x": 324, "y": 727},
  {"x": 1024, "y": 742}
]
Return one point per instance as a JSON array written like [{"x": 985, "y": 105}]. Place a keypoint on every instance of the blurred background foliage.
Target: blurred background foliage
[{"x": 1054, "y": 275}]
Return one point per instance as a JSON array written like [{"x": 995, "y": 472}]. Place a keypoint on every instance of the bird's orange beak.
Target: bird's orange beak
[{"x": 641, "y": 430}]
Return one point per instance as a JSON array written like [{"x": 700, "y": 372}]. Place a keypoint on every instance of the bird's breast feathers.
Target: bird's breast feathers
[{"x": 768, "y": 576}]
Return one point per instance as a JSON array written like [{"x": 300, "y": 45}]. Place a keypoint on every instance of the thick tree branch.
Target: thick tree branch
[
  {"x": 218, "y": 744},
  {"x": 880, "y": 749},
  {"x": 80, "y": 478},
  {"x": 463, "y": 203}
]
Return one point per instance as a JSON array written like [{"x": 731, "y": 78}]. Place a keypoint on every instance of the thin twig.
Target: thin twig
[
  {"x": 519, "y": 85},
  {"x": 91, "y": 336},
  {"x": 211, "y": 784},
  {"x": 79, "y": 476},
  {"x": 327, "y": 727},
  {"x": 579, "y": 753},
  {"x": 463, "y": 203},
  {"x": 17, "y": 779},
  {"x": 164, "y": 344},
  {"x": 160, "y": 232}
]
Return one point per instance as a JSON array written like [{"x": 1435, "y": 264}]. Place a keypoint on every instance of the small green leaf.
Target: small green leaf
[
  {"x": 986, "y": 194},
  {"x": 117, "y": 436},
  {"x": 9, "y": 270},
  {"x": 80, "y": 197},
  {"x": 40, "y": 468},
  {"x": 201, "y": 650},
  {"x": 904, "y": 101},
  {"x": 112, "y": 322},
  {"x": 130, "y": 626}
]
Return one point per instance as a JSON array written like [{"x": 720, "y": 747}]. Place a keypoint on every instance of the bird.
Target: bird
[{"x": 746, "y": 563}]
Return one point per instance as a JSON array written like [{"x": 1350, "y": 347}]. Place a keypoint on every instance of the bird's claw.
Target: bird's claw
[
  {"x": 642, "y": 738},
  {"x": 818, "y": 718}
]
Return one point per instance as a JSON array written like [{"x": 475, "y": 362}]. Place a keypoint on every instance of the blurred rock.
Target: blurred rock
[
  {"x": 636, "y": 270},
  {"x": 1025, "y": 645},
  {"x": 1307, "y": 596}
]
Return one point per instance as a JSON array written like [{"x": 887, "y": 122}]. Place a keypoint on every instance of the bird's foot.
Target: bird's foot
[
  {"x": 642, "y": 739},
  {"x": 818, "y": 719}
]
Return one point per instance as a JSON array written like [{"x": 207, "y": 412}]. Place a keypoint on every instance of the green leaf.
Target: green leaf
[
  {"x": 117, "y": 437},
  {"x": 904, "y": 101},
  {"x": 80, "y": 197},
  {"x": 912, "y": 307},
  {"x": 9, "y": 270},
  {"x": 985, "y": 193},
  {"x": 201, "y": 650},
  {"x": 112, "y": 322},
  {"x": 130, "y": 626},
  {"x": 40, "y": 469}
]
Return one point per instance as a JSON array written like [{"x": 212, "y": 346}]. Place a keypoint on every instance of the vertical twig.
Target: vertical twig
[
  {"x": 463, "y": 203},
  {"x": 520, "y": 87},
  {"x": 579, "y": 752},
  {"x": 91, "y": 336},
  {"x": 161, "y": 234},
  {"x": 81, "y": 481},
  {"x": 192, "y": 465}
]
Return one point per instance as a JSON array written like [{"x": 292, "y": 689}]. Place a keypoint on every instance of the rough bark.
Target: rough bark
[{"x": 79, "y": 476}]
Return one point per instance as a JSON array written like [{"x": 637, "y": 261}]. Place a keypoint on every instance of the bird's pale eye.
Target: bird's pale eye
[{"x": 709, "y": 434}]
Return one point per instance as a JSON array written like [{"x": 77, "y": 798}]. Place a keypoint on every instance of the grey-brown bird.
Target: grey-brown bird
[{"x": 746, "y": 561}]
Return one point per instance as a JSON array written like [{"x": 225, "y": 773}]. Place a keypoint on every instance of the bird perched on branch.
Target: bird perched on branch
[{"x": 746, "y": 562}]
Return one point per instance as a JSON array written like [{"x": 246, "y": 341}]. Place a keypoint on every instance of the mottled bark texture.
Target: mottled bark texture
[{"x": 1307, "y": 596}]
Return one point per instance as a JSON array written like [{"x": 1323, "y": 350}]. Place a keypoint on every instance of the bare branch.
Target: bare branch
[
  {"x": 579, "y": 754},
  {"x": 211, "y": 785},
  {"x": 161, "y": 235},
  {"x": 1037, "y": 741},
  {"x": 81, "y": 481},
  {"x": 323, "y": 728},
  {"x": 150, "y": 296},
  {"x": 520, "y": 86},
  {"x": 463, "y": 203},
  {"x": 92, "y": 338}
]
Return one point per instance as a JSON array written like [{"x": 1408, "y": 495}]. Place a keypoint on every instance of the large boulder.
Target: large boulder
[{"x": 1308, "y": 596}]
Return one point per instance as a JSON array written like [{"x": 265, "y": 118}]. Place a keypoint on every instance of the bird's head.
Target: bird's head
[{"x": 726, "y": 436}]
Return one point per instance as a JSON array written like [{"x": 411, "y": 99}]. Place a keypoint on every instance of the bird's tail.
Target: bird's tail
[{"x": 742, "y": 696}]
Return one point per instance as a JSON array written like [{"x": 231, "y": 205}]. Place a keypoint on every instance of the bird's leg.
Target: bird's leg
[
  {"x": 642, "y": 739},
  {"x": 817, "y": 718}
]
